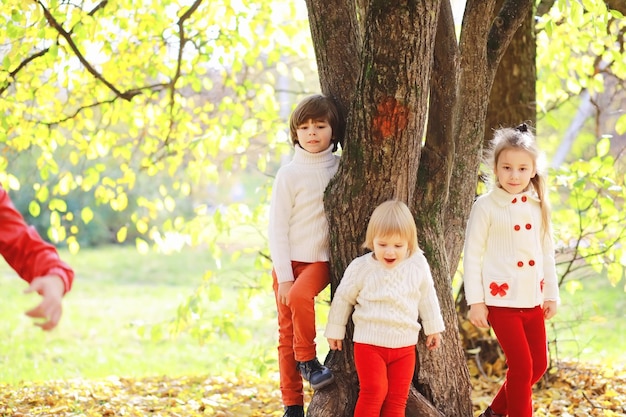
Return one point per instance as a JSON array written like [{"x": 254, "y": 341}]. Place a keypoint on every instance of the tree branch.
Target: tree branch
[
  {"x": 172, "y": 84},
  {"x": 183, "y": 37},
  {"x": 43, "y": 52},
  {"x": 153, "y": 87},
  {"x": 21, "y": 66},
  {"x": 504, "y": 26},
  {"x": 127, "y": 95}
]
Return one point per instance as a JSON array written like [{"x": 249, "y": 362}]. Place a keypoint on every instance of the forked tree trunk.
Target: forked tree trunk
[
  {"x": 512, "y": 101},
  {"x": 447, "y": 387},
  {"x": 378, "y": 60}
]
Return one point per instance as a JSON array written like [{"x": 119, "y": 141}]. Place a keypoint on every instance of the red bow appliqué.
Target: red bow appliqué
[{"x": 499, "y": 289}]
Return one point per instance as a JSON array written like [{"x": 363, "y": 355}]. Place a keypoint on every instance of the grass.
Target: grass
[
  {"x": 118, "y": 292},
  {"x": 591, "y": 323}
]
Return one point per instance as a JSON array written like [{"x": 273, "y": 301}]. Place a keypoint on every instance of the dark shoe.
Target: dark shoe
[
  {"x": 489, "y": 413},
  {"x": 318, "y": 375},
  {"x": 294, "y": 411}
]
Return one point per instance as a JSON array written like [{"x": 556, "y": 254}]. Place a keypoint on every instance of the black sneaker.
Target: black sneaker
[
  {"x": 318, "y": 375},
  {"x": 489, "y": 413},
  {"x": 294, "y": 411}
]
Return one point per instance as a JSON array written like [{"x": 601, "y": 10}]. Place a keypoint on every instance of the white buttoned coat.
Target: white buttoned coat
[{"x": 508, "y": 261}]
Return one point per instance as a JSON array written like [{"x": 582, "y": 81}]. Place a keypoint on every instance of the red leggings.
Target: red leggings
[
  {"x": 385, "y": 376},
  {"x": 296, "y": 326},
  {"x": 522, "y": 336}
]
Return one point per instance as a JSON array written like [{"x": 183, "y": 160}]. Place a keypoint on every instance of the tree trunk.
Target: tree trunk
[
  {"x": 513, "y": 95},
  {"x": 483, "y": 43},
  {"x": 380, "y": 158},
  {"x": 451, "y": 393},
  {"x": 512, "y": 101},
  {"x": 401, "y": 52}
]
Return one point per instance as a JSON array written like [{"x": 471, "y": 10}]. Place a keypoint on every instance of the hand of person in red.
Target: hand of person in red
[{"x": 51, "y": 288}]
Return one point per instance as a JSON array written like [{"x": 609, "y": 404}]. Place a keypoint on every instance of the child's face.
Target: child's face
[
  {"x": 314, "y": 135},
  {"x": 514, "y": 169},
  {"x": 390, "y": 250}
]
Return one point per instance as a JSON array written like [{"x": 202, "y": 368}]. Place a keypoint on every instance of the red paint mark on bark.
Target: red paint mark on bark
[{"x": 391, "y": 118}]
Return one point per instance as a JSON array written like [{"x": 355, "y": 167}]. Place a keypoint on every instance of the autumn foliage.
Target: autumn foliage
[{"x": 569, "y": 389}]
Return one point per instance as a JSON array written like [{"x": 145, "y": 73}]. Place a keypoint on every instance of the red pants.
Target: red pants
[
  {"x": 296, "y": 326},
  {"x": 522, "y": 336},
  {"x": 385, "y": 376}
]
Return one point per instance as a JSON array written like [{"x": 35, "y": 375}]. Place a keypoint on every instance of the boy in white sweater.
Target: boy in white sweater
[
  {"x": 389, "y": 289},
  {"x": 299, "y": 245}
]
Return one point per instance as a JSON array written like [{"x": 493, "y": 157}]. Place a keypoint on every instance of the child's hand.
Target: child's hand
[
  {"x": 549, "y": 309},
  {"x": 335, "y": 344},
  {"x": 478, "y": 315},
  {"x": 283, "y": 290},
  {"x": 433, "y": 341},
  {"x": 51, "y": 288}
]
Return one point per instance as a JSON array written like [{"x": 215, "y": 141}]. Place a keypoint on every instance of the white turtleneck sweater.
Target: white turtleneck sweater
[
  {"x": 508, "y": 261},
  {"x": 298, "y": 229},
  {"x": 387, "y": 302}
]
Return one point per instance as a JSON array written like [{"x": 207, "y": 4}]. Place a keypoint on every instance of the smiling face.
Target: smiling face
[
  {"x": 514, "y": 169},
  {"x": 314, "y": 135},
  {"x": 390, "y": 250}
]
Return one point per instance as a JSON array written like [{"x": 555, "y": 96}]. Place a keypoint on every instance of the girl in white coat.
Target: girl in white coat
[{"x": 509, "y": 269}]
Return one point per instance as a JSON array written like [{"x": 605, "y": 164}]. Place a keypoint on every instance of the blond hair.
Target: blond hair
[{"x": 390, "y": 218}]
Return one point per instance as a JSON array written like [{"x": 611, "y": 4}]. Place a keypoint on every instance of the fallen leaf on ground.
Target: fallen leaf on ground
[{"x": 575, "y": 390}]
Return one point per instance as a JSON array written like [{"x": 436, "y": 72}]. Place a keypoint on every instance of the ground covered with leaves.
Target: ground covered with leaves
[{"x": 568, "y": 390}]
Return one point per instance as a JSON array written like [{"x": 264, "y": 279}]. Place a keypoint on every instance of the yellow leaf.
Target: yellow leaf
[
  {"x": 86, "y": 214},
  {"x": 122, "y": 233}
]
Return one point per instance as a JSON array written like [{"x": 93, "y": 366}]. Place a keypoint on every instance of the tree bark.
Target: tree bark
[
  {"x": 403, "y": 53},
  {"x": 381, "y": 155},
  {"x": 513, "y": 97},
  {"x": 335, "y": 28},
  {"x": 451, "y": 394},
  {"x": 482, "y": 45},
  {"x": 512, "y": 101}
]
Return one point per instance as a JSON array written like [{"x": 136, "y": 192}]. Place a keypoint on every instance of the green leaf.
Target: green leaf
[
  {"x": 34, "y": 209},
  {"x": 573, "y": 286},
  {"x": 86, "y": 214},
  {"x": 620, "y": 126},
  {"x": 57, "y": 204},
  {"x": 616, "y": 14},
  {"x": 603, "y": 147}
]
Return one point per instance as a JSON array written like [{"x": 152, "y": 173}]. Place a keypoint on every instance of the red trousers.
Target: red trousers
[
  {"x": 296, "y": 326},
  {"x": 385, "y": 376},
  {"x": 522, "y": 336}
]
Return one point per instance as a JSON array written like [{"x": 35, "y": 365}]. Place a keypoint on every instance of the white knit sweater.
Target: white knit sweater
[
  {"x": 508, "y": 261},
  {"x": 387, "y": 302},
  {"x": 298, "y": 229}
]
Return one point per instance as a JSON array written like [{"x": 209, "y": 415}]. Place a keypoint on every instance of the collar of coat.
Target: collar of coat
[{"x": 503, "y": 198}]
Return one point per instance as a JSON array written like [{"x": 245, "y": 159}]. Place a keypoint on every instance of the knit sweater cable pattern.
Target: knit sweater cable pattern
[
  {"x": 508, "y": 261},
  {"x": 387, "y": 302},
  {"x": 298, "y": 228}
]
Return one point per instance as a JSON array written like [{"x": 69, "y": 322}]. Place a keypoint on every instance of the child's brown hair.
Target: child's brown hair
[{"x": 316, "y": 107}]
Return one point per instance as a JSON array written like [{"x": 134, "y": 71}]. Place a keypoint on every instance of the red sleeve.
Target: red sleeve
[{"x": 22, "y": 247}]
